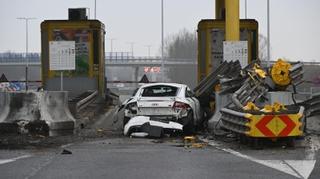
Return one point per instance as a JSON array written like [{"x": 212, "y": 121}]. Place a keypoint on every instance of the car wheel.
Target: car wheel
[{"x": 188, "y": 124}]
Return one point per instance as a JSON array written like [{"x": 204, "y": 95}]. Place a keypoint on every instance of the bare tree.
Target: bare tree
[{"x": 182, "y": 45}]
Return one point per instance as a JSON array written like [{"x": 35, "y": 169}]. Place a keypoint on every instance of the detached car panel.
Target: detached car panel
[{"x": 143, "y": 126}]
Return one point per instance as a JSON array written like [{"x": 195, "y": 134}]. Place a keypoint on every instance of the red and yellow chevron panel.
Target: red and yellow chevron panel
[{"x": 273, "y": 126}]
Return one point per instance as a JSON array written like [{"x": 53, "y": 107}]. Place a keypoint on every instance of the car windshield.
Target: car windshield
[{"x": 159, "y": 90}]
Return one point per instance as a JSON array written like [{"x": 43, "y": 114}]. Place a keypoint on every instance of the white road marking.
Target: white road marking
[
  {"x": 4, "y": 161},
  {"x": 66, "y": 145},
  {"x": 297, "y": 168},
  {"x": 304, "y": 167},
  {"x": 35, "y": 170}
]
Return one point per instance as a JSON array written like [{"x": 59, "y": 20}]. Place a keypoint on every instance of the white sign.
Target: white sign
[
  {"x": 236, "y": 50},
  {"x": 62, "y": 55}
]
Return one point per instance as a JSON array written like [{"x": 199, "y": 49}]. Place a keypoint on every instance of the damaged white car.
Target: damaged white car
[{"x": 163, "y": 102}]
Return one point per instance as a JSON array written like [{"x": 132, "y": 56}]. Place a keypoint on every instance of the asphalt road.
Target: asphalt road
[
  {"x": 122, "y": 157},
  {"x": 108, "y": 154}
]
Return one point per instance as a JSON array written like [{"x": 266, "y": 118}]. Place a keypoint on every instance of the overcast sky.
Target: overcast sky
[{"x": 295, "y": 25}]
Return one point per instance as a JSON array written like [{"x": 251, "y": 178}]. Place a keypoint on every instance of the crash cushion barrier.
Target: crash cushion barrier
[
  {"x": 48, "y": 106},
  {"x": 264, "y": 125},
  {"x": 276, "y": 125}
]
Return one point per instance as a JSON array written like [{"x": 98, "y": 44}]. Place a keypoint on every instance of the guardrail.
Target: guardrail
[{"x": 83, "y": 103}]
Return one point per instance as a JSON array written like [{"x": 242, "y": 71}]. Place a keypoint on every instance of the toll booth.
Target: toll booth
[
  {"x": 211, "y": 34},
  {"x": 88, "y": 35}
]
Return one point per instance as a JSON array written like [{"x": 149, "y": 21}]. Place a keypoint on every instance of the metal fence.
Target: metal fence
[{"x": 19, "y": 57}]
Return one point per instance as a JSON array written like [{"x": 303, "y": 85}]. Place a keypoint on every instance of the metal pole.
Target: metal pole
[
  {"x": 232, "y": 20},
  {"x": 61, "y": 81},
  {"x": 162, "y": 42},
  {"x": 132, "y": 44},
  {"x": 111, "y": 40},
  {"x": 111, "y": 47},
  {"x": 245, "y": 9},
  {"x": 27, "y": 51},
  {"x": 220, "y": 9},
  {"x": 95, "y": 9},
  {"x": 148, "y": 47},
  {"x": 268, "y": 29},
  {"x": 27, "y": 59}
]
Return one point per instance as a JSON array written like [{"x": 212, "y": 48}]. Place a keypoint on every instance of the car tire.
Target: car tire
[{"x": 188, "y": 124}]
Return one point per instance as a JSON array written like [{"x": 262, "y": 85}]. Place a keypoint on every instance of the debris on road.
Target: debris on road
[
  {"x": 64, "y": 152},
  {"x": 143, "y": 126},
  {"x": 100, "y": 130},
  {"x": 193, "y": 142},
  {"x": 190, "y": 139}
]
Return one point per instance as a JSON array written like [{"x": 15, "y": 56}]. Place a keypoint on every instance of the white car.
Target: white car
[{"x": 164, "y": 102}]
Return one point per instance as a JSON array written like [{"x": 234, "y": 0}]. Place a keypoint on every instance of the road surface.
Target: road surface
[{"x": 101, "y": 151}]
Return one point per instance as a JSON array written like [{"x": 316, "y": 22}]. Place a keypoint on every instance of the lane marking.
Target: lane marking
[
  {"x": 303, "y": 167},
  {"x": 4, "y": 161},
  {"x": 66, "y": 145},
  {"x": 40, "y": 166},
  {"x": 296, "y": 168},
  {"x": 36, "y": 170}
]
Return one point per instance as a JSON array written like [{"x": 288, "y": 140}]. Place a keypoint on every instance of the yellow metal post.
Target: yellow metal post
[
  {"x": 232, "y": 20},
  {"x": 220, "y": 9}
]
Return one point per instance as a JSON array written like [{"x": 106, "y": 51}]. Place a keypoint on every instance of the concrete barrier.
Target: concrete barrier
[
  {"x": 4, "y": 106},
  {"x": 55, "y": 111},
  {"x": 35, "y": 111},
  {"x": 19, "y": 110},
  {"x": 6, "y": 127}
]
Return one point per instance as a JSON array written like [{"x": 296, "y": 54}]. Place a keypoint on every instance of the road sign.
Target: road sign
[
  {"x": 275, "y": 125},
  {"x": 236, "y": 50},
  {"x": 262, "y": 126},
  {"x": 62, "y": 55}
]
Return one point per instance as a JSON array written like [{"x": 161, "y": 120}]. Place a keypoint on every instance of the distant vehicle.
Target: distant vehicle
[{"x": 165, "y": 102}]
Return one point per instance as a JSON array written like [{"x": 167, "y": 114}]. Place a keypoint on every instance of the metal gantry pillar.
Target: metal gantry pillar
[
  {"x": 220, "y": 9},
  {"x": 232, "y": 20}
]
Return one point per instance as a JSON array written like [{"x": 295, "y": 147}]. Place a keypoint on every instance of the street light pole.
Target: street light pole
[
  {"x": 245, "y": 9},
  {"x": 95, "y": 9},
  {"x": 148, "y": 46},
  {"x": 26, "y": 19},
  {"x": 162, "y": 42},
  {"x": 111, "y": 45},
  {"x": 268, "y": 29},
  {"x": 132, "y": 44}
]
